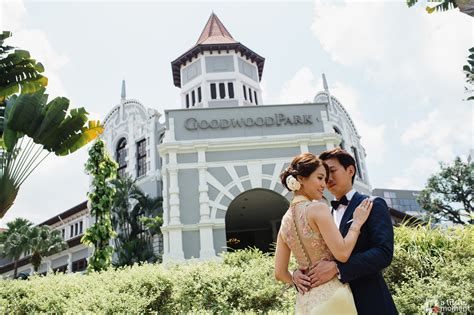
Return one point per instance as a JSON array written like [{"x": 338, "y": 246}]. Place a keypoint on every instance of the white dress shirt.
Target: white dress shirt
[{"x": 339, "y": 212}]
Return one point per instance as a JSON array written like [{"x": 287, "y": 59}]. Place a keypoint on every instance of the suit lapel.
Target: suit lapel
[{"x": 355, "y": 201}]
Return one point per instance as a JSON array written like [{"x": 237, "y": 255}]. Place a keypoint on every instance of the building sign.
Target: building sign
[
  {"x": 275, "y": 120},
  {"x": 245, "y": 121}
]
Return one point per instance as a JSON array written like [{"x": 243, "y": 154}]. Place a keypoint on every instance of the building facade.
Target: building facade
[
  {"x": 223, "y": 152},
  {"x": 72, "y": 224},
  {"x": 216, "y": 161}
]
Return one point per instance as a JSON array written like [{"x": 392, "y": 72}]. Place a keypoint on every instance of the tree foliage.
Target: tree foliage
[
  {"x": 30, "y": 126},
  {"x": 441, "y": 5},
  {"x": 43, "y": 242},
  {"x": 449, "y": 193},
  {"x": 136, "y": 218},
  {"x": 22, "y": 238},
  {"x": 469, "y": 72},
  {"x": 14, "y": 242},
  {"x": 103, "y": 170}
]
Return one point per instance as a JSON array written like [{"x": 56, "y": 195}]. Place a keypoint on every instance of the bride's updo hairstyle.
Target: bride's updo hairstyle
[{"x": 303, "y": 165}]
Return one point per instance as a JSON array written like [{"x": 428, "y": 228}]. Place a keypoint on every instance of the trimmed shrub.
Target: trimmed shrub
[{"x": 429, "y": 264}]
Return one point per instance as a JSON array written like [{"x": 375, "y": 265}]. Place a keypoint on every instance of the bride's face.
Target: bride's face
[{"x": 313, "y": 186}]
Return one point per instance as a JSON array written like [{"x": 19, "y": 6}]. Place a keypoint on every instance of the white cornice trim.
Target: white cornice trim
[{"x": 257, "y": 142}]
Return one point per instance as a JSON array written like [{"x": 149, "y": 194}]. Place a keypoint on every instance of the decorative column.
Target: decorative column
[
  {"x": 174, "y": 227},
  {"x": 69, "y": 262},
  {"x": 205, "y": 225},
  {"x": 303, "y": 146},
  {"x": 48, "y": 265},
  {"x": 153, "y": 146}
]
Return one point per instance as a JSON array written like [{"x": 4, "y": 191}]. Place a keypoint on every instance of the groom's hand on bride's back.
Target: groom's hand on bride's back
[
  {"x": 301, "y": 280},
  {"x": 322, "y": 272}
]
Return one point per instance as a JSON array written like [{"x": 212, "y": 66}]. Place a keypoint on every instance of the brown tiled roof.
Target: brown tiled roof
[
  {"x": 215, "y": 37},
  {"x": 65, "y": 214},
  {"x": 215, "y": 32}
]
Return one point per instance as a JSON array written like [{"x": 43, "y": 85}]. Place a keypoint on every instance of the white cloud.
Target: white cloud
[
  {"x": 36, "y": 41},
  {"x": 299, "y": 89},
  {"x": 54, "y": 186},
  {"x": 422, "y": 167},
  {"x": 304, "y": 86},
  {"x": 391, "y": 42},
  {"x": 441, "y": 132}
]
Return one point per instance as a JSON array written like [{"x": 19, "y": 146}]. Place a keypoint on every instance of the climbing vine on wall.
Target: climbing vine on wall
[{"x": 102, "y": 169}]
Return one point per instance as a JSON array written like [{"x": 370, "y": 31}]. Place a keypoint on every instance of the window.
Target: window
[
  {"x": 255, "y": 97},
  {"x": 141, "y": 158},
  {"x": 213, "y": 91},
  {"x": 199, "y": 95},
  {"x": 187, "y": 100},
  {"x": 193, "y": 97},
  {"x": 63, "y": 233},
  {"x": 121, "y": 155},
  {"x": 245, "y": 92},
  {"x": 79, "y": 265},
  {"x": 72, "y": 231},
  {"x": 230, "y": 87},
  {"x": 250, "y": 95},
  {"x": 356, "y": 157},
  {"x": 76, "y": 229},
  {"x": 80, "y": 227},
  {"x": 222, "y": 90},
  {"x": 336, "y": 130}
]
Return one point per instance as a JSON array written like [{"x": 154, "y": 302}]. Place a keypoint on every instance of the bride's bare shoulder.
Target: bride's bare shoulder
[{"x": 318, "y": 207}]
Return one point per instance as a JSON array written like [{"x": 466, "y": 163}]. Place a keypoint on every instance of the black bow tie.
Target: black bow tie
[{"x": 336, "y": 203}]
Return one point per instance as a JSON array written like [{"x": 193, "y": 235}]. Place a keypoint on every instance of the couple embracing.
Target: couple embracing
[{"x": 340, "y": 250}]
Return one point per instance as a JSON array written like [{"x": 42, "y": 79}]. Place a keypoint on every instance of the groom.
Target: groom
[{"x": 373, "y": 251}]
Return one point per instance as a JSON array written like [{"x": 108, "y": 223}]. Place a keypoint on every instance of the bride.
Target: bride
[{"x": 309, "y": 232}]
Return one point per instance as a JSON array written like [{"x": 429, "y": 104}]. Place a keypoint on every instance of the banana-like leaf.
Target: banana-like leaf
[
  {"x": 8, "y": 193},
  {"x": 54, "y": 114},
  {"x": 10, "y": 136},
  {"x": 49, "y": 124},
  {"x": 76, "y": 142},
  {"x": 26, "y": 115}
]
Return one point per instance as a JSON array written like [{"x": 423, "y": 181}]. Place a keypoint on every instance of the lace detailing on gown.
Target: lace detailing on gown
[
  {"x": 332, "y": 297},
  {"x": 312, "y": 240}
]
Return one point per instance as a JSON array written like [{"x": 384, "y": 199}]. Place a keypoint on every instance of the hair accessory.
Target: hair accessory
[{"x": 292, "y": 183}]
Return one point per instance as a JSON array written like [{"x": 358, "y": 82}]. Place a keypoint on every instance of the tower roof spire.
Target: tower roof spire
[
  {"x": 325, "y": 83},
  {"x": 123, "y": 95},
  {"x": 215, "y": 32}
]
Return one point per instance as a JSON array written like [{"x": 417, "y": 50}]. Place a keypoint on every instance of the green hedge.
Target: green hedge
[{"x": 429, "y": 264}]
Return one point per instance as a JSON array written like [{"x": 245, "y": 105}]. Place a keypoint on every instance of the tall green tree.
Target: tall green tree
[
  {"x": 15, "y": 241},
  {"x": 103, "y": 170},
  {"x": 449, "y": 194},
  {"x": 43, "y": 242},
  {"x": 136, "y": 218},
  {"x": 469, "y": 72},
  {"x": 31, "y": 127}
]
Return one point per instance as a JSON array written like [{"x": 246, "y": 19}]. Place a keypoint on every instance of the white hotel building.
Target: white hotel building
[{"x": 216, "y": 162}]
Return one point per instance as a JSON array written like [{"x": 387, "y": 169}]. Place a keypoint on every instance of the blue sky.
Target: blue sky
[{"x": 397, "y": 70}]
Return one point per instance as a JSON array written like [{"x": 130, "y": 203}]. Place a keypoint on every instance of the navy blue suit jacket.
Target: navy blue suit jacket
[{"x": 372, "y": 253}]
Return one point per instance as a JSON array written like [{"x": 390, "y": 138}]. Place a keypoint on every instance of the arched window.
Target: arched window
[
  {"x": 121, "y": 155},
  {"x": 336, "y": 130}
]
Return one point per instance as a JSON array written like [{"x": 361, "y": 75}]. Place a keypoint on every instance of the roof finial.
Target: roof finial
[
  {"x": 124, "y": 95},
  {"x": 325, "y": 83}
]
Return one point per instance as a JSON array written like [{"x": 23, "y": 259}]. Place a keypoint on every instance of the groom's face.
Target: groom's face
[{"x": 340, "y": 178}]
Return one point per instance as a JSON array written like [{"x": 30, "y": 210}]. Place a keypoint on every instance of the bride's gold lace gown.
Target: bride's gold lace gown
[{"x": 332, "y": 297}]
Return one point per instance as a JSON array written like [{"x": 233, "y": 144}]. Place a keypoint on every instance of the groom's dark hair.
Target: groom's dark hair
[{"x": 344, "y": 158}]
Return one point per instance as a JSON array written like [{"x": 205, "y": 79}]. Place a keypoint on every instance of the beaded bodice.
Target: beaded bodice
[{"x": 312, "y": 239}]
